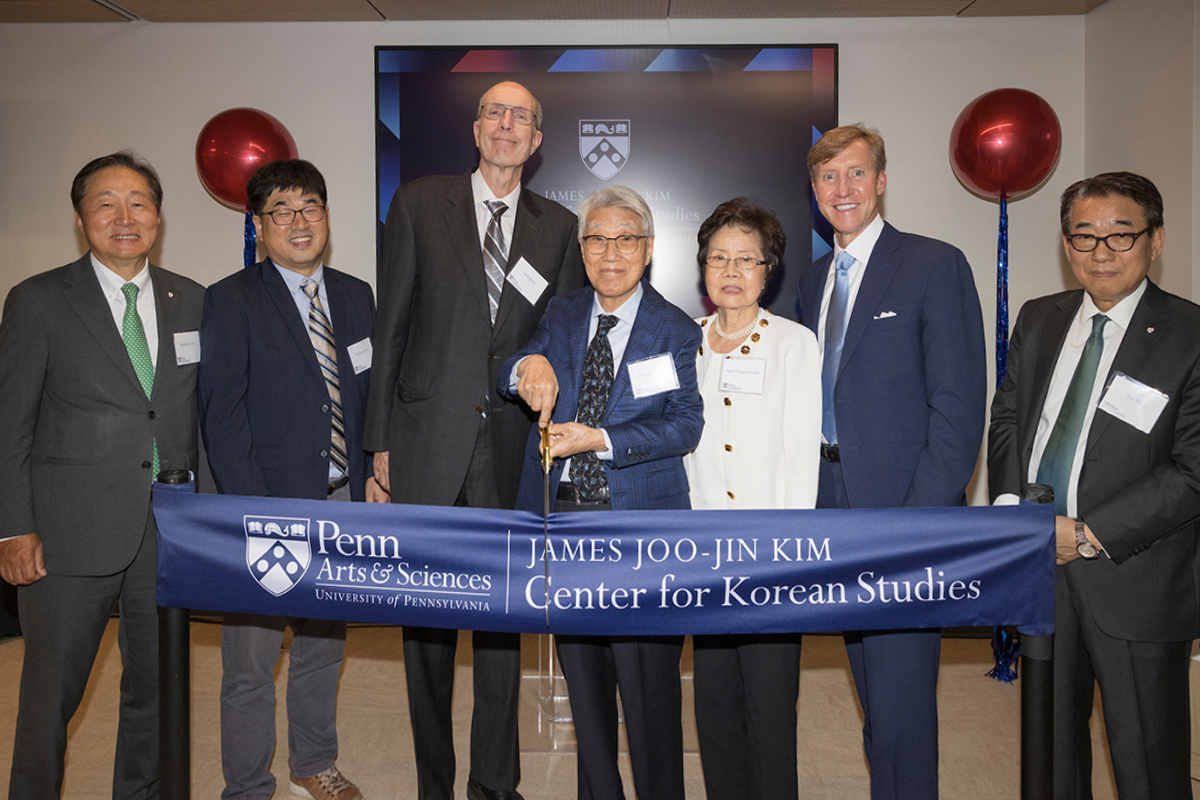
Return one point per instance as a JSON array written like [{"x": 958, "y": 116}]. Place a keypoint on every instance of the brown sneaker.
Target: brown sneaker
[{"x": 327, "y": 785}]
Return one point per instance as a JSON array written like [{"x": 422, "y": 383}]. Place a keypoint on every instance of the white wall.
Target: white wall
[
  {"x": 1142, "y": 115},
  {"x": 73, "y": 92}
]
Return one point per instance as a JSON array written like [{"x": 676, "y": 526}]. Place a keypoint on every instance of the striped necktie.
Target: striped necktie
[
  {"x": 320, "y": 331},
  {"x": 134, "y": 335},
  {"x": 495, "y": 256}
]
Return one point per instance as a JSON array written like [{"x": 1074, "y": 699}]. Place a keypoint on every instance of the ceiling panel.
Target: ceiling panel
[
  {"x": 56, "y": 11},
  {"x": 1021, "y": 8},
  {"x": 726, "y": 9},
  {"x": 522, "y": 9},
  {"x": 459, "y": 10},
  {"x": 251, "y": 10}
]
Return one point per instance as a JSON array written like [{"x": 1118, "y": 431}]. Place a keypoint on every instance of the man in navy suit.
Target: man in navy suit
[
  {"x": 612, "y": 371},
  {"x": 1101, "y": 401},
  {"x": 286, "y": 348},
  {"x": 904, "y": 391}
]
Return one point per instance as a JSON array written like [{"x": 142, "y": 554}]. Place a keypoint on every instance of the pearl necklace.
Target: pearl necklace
[{"x": 735, "y": 335}]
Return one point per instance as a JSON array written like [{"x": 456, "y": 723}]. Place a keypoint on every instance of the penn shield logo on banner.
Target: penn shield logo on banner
[
  {"x": 604, "y": 145},
  {"x": 277, "y": 551}
]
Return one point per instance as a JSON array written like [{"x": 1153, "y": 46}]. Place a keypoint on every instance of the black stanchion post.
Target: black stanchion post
[
  {"x": 174, "y": 689},
  {"x": 1037, "y": 718}
]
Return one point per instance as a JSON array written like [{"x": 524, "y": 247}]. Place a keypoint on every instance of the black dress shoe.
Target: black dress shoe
[{"x": 477, "y": 791}]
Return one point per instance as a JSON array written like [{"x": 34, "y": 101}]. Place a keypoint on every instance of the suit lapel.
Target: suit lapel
[
  {"x": 642, "y": 340},
  {"x": 86, "y": 297},
  {"x": 1146, "y": 329},
  {"x": 459, "y": 216},
  {"x": 578, "y": 320},
  {"x": 285, "y": 306},
  {"x": 166, "y": 309},
  {"x": 816, "y": 290},
  {"x": 877, "y": 276},
  {"x": 527, "y": 235},
  {"x": 1045, "y": 358}
]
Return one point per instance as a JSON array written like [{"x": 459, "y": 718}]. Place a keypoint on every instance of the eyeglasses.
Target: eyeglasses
[
  {"x": 626, "y": 243},
  {"x": 495, "y": 112},
  {"x": 285, "y": 216},
  {"x": 743, "y": 263},
  {"x": 1116, "y": 242}
]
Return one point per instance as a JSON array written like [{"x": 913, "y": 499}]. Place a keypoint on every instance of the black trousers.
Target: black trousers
[{"x": 646, "y": 669}]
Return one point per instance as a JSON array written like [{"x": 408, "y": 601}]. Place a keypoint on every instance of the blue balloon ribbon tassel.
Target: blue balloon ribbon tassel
[
  {"x": 1005, "y": 648},
  {"x": 251, "y": 247}
]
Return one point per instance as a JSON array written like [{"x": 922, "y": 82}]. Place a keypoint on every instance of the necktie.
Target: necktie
[
  {"x": 1055, "y": 466},
  {"x": 495, "y": 256},
  {"x": 321, "y": 334},
  {"x": 586, "y": 472},
  {"x": 139, "y": 351},
  {"x": 835, "y": 336}
]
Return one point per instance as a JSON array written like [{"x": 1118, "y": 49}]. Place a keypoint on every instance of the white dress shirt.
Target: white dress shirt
[
  {"x": 295, "y": 283},
  {"x": 111, "y": 283},
  {"x": 861, "y": 249},
  {"x": 760, "y": 450},
  {"x": 483, "y": 215},
  {"x": 1119, "y": 317}
]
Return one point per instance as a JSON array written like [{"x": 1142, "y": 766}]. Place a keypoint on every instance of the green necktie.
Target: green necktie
[
  {"x": 139, "y": 351},
  {"x": 1055, "y": 466}
]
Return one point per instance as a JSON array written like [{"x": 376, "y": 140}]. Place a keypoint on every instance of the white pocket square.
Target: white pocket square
[{"x": 884, "y": 315}]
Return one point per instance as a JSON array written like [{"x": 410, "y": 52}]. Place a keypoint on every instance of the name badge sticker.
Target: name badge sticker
[
  {"x": 743, "y": 375},
  {"x": 1133, "y": 402},
  {"x": 360, "y": 355},
  {"x": 527, "y": 280},
  {"x": 653, "y": 375},
  {"x": 187, "y": 348}
]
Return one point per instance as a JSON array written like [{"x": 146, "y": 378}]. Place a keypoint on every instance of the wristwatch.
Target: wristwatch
[{"x": 1086, "y": 549}]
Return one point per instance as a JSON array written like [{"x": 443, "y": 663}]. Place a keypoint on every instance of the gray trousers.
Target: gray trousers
[
  {"x": 63, "y": 618},
  {"x": 250, "y": 646}
]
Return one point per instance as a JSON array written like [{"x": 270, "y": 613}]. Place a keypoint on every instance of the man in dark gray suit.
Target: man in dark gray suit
[
  {"x": 467, "y": 267},
  {"x": 1101, "y": 401},
  {"x": 98, "y": 364}
]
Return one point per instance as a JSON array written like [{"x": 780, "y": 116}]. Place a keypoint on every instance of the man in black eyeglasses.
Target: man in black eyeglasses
[
  {"x": 467, "y": 266},
  {"x": 1101, "y": 402},
  {"x": 285, "y": 351}
]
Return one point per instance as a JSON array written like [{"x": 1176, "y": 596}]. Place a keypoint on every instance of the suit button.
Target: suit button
[
  {"x": 731, "y": 497},
  {"x": 325, "y": 408},
  {"x": 728, "y": 402},
  {"x": 147, "y": 464},
  {"x": 491, "y": 356},
  {"x": 324, "y": 454},
  {"x": 728, "y": 448},
  {"x": 478, "y": 409},
  {"x": 151, "y": 415}
]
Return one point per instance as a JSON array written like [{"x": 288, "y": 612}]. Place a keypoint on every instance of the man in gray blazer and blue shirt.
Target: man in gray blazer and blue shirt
[
  {"x": 98, "y": 363},
  {"x": 467, "y": 266}
]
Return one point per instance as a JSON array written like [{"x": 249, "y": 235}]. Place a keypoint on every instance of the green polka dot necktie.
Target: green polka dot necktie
[{"x": 139, "y": 351}]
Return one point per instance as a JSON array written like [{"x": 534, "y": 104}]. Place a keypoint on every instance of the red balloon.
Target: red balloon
[
  {"x": 1005, "y": 142},
  {"x": 233, "y": 145}
]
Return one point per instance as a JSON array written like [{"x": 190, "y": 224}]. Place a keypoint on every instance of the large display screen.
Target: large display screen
[{"x": 687, "y": 127}]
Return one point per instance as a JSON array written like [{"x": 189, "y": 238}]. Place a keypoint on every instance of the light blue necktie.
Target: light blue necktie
[
  {"x": 835, "y": 336},
  {"x": 1055, "y": 467}
]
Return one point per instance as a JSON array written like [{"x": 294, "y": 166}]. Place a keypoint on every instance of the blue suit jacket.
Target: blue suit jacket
[
  {"x": 264, "y": 409},
  {"x": 912, "y": 382},
  {"x": 649, "y": 435}
]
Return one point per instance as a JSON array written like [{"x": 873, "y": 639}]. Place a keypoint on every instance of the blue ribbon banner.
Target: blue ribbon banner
[{"x": 629, "y": 572}]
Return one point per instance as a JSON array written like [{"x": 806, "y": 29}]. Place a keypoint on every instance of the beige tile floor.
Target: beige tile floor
[{"x": 979, "y": 724}]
